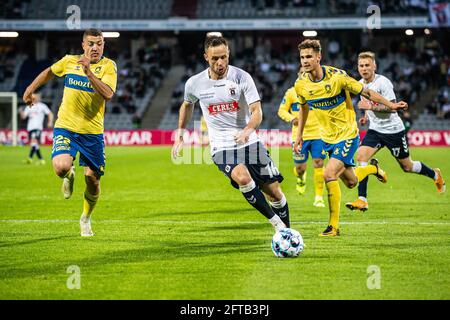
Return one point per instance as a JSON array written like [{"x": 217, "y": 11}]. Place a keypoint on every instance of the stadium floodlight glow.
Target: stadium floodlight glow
[
  {"x": 8, "y": 34},
  {"x": 111, "y": 34},
  {"x": 409, "y": 32},
  {"x": 427, "y": 31},
  {"x": 309, "y": 33}
]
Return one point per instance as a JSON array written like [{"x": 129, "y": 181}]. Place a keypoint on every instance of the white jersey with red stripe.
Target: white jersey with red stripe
[{"x": 224, "y": 105}]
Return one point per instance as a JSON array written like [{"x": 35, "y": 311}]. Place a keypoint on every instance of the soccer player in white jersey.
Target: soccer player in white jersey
[
  {"x": 231, "y": 106},
  {"x": 35, "y": 125},
  {"x": 385, "y": 129}
]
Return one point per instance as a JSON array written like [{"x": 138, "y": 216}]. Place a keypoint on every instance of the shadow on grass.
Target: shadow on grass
[
  {"x": 157, "y": 252},
  {"x": 198, "y": 212},
  {"x": 33, "y": 241}
]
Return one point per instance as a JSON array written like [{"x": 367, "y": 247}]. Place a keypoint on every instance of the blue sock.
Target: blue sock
[
  {"x": 38, "y": 152},
  {"x": 362, "y": 187},
  {"x": 32, "y": 151},
  {"x": 426, "y": 171},
  {"x": 256, "y": 198}
]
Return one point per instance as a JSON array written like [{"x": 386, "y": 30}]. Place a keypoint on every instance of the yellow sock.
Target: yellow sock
[
  {"x": 362, "y": 172},
  {"x": 318, "y": 181},
  {"x": 334, "y": 202},
  {"x": 295, "y": 172},
  {"x": 89, "y": 203}
]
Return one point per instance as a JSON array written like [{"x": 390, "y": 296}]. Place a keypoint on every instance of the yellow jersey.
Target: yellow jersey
[
  {"x": 288, "y": 111},
  {"x": 330, "y": 99},
  {"x": 82, "y": 110}
]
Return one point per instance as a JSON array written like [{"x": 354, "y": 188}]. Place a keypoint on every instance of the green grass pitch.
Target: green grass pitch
[{"x": 166, "y": 231}]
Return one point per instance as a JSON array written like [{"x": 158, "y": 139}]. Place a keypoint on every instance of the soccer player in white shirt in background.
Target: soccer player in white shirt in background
[
  {"x": 36, "y": 116},
  {"x": 385, "y": 129},
  {"x": 231, "y": 106}
]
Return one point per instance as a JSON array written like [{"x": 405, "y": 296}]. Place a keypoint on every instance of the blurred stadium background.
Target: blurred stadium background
[{"x": 157, "y": 45}]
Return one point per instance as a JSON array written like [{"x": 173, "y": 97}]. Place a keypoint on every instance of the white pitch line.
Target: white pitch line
[{"x": 149, "y": 221}]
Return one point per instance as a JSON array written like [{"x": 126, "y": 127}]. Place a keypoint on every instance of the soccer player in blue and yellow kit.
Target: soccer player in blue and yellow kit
[
  {"x": 288, "y": 111},
  {"x": 90, "y": 80},
  {"x": 324, "y": 89}
]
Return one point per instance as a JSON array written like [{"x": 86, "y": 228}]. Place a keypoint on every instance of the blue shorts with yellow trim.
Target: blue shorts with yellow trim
[
  {"x": 315, "y": 147},
  {"x": 344, "y": 150},
  {"x": 90, "y": 146}
]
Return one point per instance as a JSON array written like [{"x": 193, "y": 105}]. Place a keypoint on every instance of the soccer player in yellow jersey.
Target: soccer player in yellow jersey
[
  {"x": 90, "y": 81},
  {"x": 288, "y": 111},
  {"x": 324, "y": 90}
]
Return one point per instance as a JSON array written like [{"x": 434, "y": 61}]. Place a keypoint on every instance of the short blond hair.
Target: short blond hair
[{"x": 367, "y": 55}]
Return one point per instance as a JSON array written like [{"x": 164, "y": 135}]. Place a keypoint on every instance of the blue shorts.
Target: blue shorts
[
  {"x": 344, "y": 150},
  {"x": 315, "y": 147},
  {"x": 90, "y": 146}
]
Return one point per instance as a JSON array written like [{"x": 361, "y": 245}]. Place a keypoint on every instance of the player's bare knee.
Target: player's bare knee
[
  {"x": 352, "y": 183},
  {"x": 361, "y": 158},
  {"x": 317, "y": 163},
  {"x": 243, "y": 179},
  {"x": 277, "y": 196},
  {"x": 61, "y": 167},
  {"x": 329, "y": 176},
  {"x": 92, "y": 179},
  {"x": 406, "y": 167}
]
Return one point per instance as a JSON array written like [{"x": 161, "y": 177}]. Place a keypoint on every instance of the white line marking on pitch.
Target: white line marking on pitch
[{"x": 220, "y": 222}]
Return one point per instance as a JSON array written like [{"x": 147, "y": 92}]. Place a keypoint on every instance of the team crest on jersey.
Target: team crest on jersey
[
  {"x": 232, "y": 91},
  {"x": 328, "y": 88},
  {"x": 97, "y": 70},
  {"x": 311, "y": 93},
  {"x": 77, "y": 68}
]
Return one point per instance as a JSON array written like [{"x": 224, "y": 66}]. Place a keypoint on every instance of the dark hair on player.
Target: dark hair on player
[
  {"x": 92, "y": 32},
  {"x": 214, "y": 39}
]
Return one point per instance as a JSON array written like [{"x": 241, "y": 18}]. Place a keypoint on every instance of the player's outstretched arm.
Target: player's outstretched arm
[
  {"x": 376, "y": 97},
  {"x": 185, "y": 116},
  {"x": 302, "y": 117},
  {"x": 44, "y": 77},
  {"x": 285, "y": 115}
]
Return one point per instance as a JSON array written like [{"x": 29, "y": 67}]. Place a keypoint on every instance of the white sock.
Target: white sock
[
  {"x": 363, "y": 199},
  {"x": 279, "y": 204},
  {"x": 248, "y": 187},
  {"x": 318, "y": 198},
  {"x": 363, "y": 164},
  {"x": 416, "y": 167}
]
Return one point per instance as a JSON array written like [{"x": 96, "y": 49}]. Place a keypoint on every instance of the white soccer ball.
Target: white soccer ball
[{"x": 287, "y": 243}]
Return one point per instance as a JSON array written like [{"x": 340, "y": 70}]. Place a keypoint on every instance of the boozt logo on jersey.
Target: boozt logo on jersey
[
  {"x": 223, "y": 107},
  {"x": 77, "y": 82}
]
